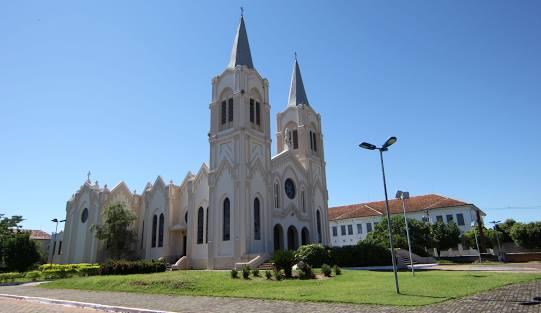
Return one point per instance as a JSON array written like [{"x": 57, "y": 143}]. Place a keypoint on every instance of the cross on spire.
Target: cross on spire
[{"x": 241, "y": 11}]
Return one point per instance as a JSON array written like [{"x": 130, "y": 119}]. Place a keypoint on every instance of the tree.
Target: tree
[
  {"x": 504, "y": 230},
  {"x": 444, "y": 236},
  {"x": 468, "y": 238},
  {"x": 8, "y": 229},
  {"x": 419, "y": 234},
  {"x": 527, "y": 235},
  {"x": 117, "y": 231},
  {"x": 20, "y": 252}
]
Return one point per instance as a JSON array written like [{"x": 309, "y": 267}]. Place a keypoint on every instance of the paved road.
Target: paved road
[
  {"x": 21, "y": 306},
  {"x": 512, "y": 298}
]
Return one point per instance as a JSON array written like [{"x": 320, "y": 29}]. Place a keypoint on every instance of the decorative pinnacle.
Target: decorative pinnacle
[{"x": 241, "y": 11}]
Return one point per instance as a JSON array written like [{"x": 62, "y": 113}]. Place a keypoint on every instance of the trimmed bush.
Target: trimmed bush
[
  {"x": 268, "y": 274},
  {"x": 337, "y": 270},
  {"x": 314, "y": 254},
  {"x": 33, "y": 275},
  {"x": 234, "y": 273},
  {"x": 326, "y": 270},
  {"x": 122, "y": 267},
  {"x": 277, "y": 274},
  {"x": 305, "y": 271},
  {"x": 245, "y": 272},
  {"x": 255, "y": 272},
  {"x": 362, "y": 254},
  {"x": 10, "y": 277},
  {"x": 284, "y": 260}
]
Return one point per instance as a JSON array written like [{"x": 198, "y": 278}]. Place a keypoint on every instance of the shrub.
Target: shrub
[
  {"x": 527, "y": 235},
  {"x": 277, "y": 274},
  {"x": 314, "y": 254},
  {"x": 245, "y": 272},
  {"x": 284, "y": 260},
  {"x": 305, "y": 270},
  {"x": 81, "y": 269},
  {"x": 268, "y": 274},
  {"x": 362, "y": 254},
  {"x": 337, "y": 270},
  {"x": 234, "y": 273},
  {"x": 255, "y": 272},
  {"x": 122, "y": 267},
  {"x": 33, "y": 275},
  {"x": 326, "y": 270},
  {"x": 9, "y": 277},
  {"x": 20, "y": 252}
]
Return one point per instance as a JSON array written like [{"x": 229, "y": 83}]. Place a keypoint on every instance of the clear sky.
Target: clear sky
[{"x": 122, "y": 88}]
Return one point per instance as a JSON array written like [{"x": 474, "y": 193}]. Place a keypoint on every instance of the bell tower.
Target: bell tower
[
  {"x": 240, "y": 155},
  {"x": 299, "y": 131}
]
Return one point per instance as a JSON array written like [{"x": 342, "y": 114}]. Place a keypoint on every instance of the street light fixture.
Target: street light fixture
[
  {"x": 55, "y": 220},
  {"x": 500, "y": 258},
  {"x": 404, "y": 195},
  {"x": 385, "y": 147}
]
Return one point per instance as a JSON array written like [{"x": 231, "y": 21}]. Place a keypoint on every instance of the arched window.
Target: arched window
[
  {"x": 305, "y": 236},
  {"x": 257, "y": 220},
  {"x": 207, "y": 227},
  {"x": 318, "y": 218},
  {"x": 276, "y": 195},
  {"x": 160, "y": 232},
  {"x": 200, "y": 220},
  {"x": 278, "y": 237},
  {"x": 226, "y": 235},
  {"x": 154, "y": 228},
  {"x": 142, "y": 234}
]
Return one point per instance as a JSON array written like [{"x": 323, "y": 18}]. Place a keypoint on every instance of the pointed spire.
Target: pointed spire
[
  {"x": 297, "y": 95},
  {"x": 240, "y": 54}
]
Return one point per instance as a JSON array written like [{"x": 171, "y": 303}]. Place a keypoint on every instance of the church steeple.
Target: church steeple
[
  {"x": 297, "y": 94},
  {"x": 240, "y": 54}
]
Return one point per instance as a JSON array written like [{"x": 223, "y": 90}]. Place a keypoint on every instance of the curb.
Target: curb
[{"x": 95, "y": 306}]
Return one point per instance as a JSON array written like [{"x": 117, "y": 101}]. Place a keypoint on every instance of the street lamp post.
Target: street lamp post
[
  {"x": 473, "y": 225},
  {"x": 498, "y": 240},
  {"x": 404, "y": 195},
  {"x": 385, "y": 147},
  {"x": 55, "y": 220}
]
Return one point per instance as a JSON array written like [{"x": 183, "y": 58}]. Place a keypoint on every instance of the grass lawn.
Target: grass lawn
[{"x": 351, "y": 287}]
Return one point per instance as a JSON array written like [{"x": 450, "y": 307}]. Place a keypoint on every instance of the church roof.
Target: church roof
[
  {"x": 297, "y": 94},
  {"x": 413, "y": 204},
  {"x": 240, "y": 54}
]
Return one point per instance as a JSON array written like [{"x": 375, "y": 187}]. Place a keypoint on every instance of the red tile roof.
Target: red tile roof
[
  {"x": 37, "y": 234},
  {"x": 413, "y": 204}
]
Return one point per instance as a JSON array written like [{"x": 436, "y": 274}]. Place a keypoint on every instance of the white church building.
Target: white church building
[{"x": 240, "y": 207}]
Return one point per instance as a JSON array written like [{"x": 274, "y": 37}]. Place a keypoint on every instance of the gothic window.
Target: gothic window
[
  {"x": 257, "y": 220},
  {"x": 303, "y": 203},
  {"x": 154, "y": 227},
  {"x": 186, "y": 218},
  {"x": 295, "y": 139},
  {"x": 224, "y": 112},
  {"x": 207, "y": 227},
  {"x": 160, "y": 232},
  {"x": 290, "y": 189},
  {"x": 200, "y": 220},
  {"x": 84, "y": 215},
  {"x": 142, "y": 234},
  {"x": 276, "y": 195},
  {"x": 230, "y": 110},
  {"x": 257, "y": 113},
  {"x": 252, "y": 111},
  {"x": 60, "y": 247},
  {"x": 311, "y": 141},
  {"x": 318, "y": 220},
  {"x": 315, "y": 142},
  {"x": 226, "y": 235},
  {"x": 54, "y": 248}
]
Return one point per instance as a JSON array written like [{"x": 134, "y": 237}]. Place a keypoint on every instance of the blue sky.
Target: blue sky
[{"x": 122, "y": 88}]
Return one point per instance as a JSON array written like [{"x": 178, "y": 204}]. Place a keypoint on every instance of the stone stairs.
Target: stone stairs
[{"x": 266, "y": 266}]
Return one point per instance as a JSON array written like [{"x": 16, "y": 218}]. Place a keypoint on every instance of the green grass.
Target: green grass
[{"x": 351, "y": 287}]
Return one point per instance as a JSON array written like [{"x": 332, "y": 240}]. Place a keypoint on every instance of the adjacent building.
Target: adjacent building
[
  {"x": 351, "y": 223},
  {"x": 245, "y": 203}
]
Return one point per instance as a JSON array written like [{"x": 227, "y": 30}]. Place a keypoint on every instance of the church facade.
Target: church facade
[{"x": 240, "y": 207}]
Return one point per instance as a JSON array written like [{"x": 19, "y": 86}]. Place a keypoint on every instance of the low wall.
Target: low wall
[{"x": 523, "y": 257}]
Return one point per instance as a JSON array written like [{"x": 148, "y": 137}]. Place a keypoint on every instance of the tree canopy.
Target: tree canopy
[{"x": 117, "y": 231}]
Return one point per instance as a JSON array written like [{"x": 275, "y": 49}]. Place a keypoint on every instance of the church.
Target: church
[{"x": 244, "y": 204}]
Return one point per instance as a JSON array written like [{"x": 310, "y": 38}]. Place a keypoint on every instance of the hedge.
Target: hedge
[
  {"x": 122, "y": 267},
  {"x": 362, "y": 254}
]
